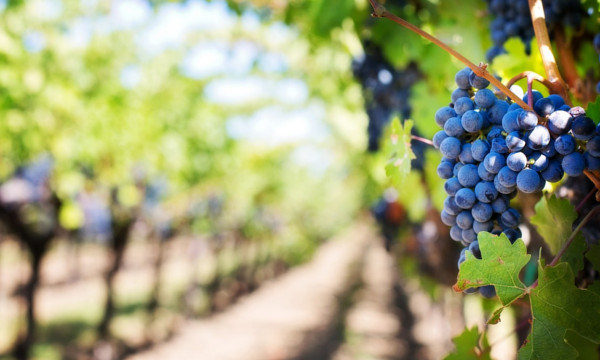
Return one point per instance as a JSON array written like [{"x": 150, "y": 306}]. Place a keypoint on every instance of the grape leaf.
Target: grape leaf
[
  {"x": 593, "y": 255},
  {"x": 574, "y": 253},
  {"x": 500, "y": 265},
  {"x": 398, "y": 165},
  {"x": 554, "y": 220},
  {"x": 557, "y": 306},
  {"x": 593, "y": 110},
  {"x": 468, "y": 347}
]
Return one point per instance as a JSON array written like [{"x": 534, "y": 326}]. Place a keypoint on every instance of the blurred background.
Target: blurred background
[{"x": 161, "y": 161}]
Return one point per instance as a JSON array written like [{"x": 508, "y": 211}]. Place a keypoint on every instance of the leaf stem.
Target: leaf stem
[
  {"x": 529, "y": 74},
  {"x": 381, "y": 12},
  {"x": 422, "y": 139},
  {"x": 572, "y": 237},
  {"x": 538, "y": 20}
]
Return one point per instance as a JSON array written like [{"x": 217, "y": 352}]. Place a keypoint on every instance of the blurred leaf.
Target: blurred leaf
[
  {"x": 398, "y": 165},
  {"x": 469, "y": 347},
  {"x": 593, "y": 110},
  {"x": 553, "y": 219}
]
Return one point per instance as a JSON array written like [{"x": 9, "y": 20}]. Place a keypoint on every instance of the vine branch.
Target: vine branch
[
  {"x": 381, "y": 12},
  {"x": 538, "y": 20}
]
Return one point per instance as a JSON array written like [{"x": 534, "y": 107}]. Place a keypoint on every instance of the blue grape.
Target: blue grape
[
  {"x": 538, "y": 138},
  {"x": 438, "y": 138},
  {"x": 468, "y": 235},
  {"x": 506, "y": 177},
  {"x": 478, "y": 82},
  {"x": 479, "y": 149},
  {"x": 554, "y": 172},
  {"x": 472, "y": 121},
  {"x": 528, "y": 181},
  {"x": 573, "y": 164},
  {"x": 443, "y": 114},
  {"x": 465, "y": 198},
  {"x": 512, "y": 234},
  {"x": 497, "y": 112},
  {"x": 549, "y": 149},
  {"x": 564, "y": 144},
  {"x": 487, "y": 291},
  {"x": 593, "y": 146},
  {"x": 463, "y": 105},
  {"x": 458, "y": 93},
  {"x": 592, "y": 162},
  {"x": 486, "y": 192},
  {"x": 493, "y": 162},
  {"x": 452, "y": 185},
  {"x": 510, "y": 122},
  {"x": 464, "y": 219},
  {"x": 499, "y": 146},
  {"x": 482, "y": 226},
  {"x": 482, "y": 212},
  {"x": 495, "y": 132},
  {"x": 503, "y": 189},
  {"x": 453, "y": 127},
  {"x": 456, "y": 233},
  {"x": 447, "y": 218},
  {"x": 557, "y": 100},
  {"x": 515, "y": 141},
  {"x": 536, "y": 96},
  {"x": 457, "y": 168},
  {"x": 450, "y": 147},
  {"x": 466, "y": 154},
  {"x": 484, "y": 174},
  {"x": 474, "y": 249},
  {"x": 583, "y": 128},
  {"x": 516, "y": 161},
  {"x": 467, "y": 175},
  {"x": 511, "y": 218},
  {"x": 500, "y": 205},
  {"x": 450, "y": 206},
  {"x": 559, "y": 122},
  {"x": 527, "y": 120},
  {"x": 538, "y": 162},
  {"x": 445, "y": 168},
  {"x": 576, "y": 111},
  {"x": 544, "y": 107},
  {"x": 485, "y": 98},
  {"x": 462, "y": 79}
]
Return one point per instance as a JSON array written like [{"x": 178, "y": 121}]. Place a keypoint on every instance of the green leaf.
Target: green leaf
[
  {"x": 556, "y": 307},
  {"x": 398, "y": 165},
  {"x": 468, "y": 346},
  {"x": 553, "y": 219},
  {"x": 500, "y": 265},
  {"x": 574, "y": 253},
  {"x": 593, "y": 110},
  {"x": 593, "y": 255}
]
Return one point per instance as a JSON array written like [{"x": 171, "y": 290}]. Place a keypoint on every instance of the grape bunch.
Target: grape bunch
[
  {"x": 512, "y": 19},
  {"x": 492, "y": 149},
  {"x": 386, "y": 90}
]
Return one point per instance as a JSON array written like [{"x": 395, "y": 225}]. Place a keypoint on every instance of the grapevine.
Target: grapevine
[{"x": 499, "y": 142}]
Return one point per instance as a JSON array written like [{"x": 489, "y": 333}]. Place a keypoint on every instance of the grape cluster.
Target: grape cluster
[
  {"x": 512, "y": 19},
  {"x": 386, "y": 90},
  {"x": 492, "y": 148}
]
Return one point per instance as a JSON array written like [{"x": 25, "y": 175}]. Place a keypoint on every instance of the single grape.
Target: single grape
[
  {"x": 511, "y": 218},
  {"x": 450, "y": 147},
  {"x": 528, "y": 181},
  {"x": 464, "y": 219},
  {"x": 592, "y": 162},
  {"x": 445, "y": 169},
  {"x": 484, "y": 174},
  {"x": 503, "y": 189},
  {"x": 593, "y": 146},
  {"x": 453, "y": 127},
  {"x": 487, "y": 291},
  {"x": 510, "y": 122},
  {"x": 483, "y": 226},
  {"x": 485, "y": 192},
  {"x": 479, "y": 149},
  {"x": 500, "y": 204},
  {"x": 478, "y": 82},
  {"x": 512, "y": 234},
  {"x": 573, "y": 164},
  {"x": 482, "y": 212},
  {"x": 538, "y": 162},
  {"x": 452, "y": 185},
  {"x": 443, "y": 114},
  {"x": 463, "y": 105},
  {"x": 557, "y": 100},
  {"x": 438, "y": 138},
  {"x": 466, "y": 154},
  {"x": 458, "y": 93},
  {"x": 462, "y": 79},
  {"x": 468, "y": 176},
  {"x": 506, "y": 177},
  {"x": 559, "y": 122},
  {"x": 527, "y": 120},
  {"x": 516, "y": 161},
  {"x": 515, "y": 141},
  {"x": 468, "y": 236},
  {"x": 554, "y": 172},
  {"x": 447, "y": 219},
  {"x": 538, "y": 138},
  {"x": 450, "y": 206},
  {"x": 583, "y": 128},
  {"x": 565, "y": 144},
  {"x": 472, "y": 121},
  {"x": 465, "y": 198},
  {"x": 544, "y": 107},
  {"x": 497, "y": 112},
  {"x": 456, "y": 233},
  {"x": 493, "y": 162},
  {"x": 485, "y": 98}
]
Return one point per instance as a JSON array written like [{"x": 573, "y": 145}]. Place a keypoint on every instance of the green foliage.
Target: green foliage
[
  {"x": 398, "y": 165},
  {"x": 557, "y": 306},
  {"x": 499, "y": 265},
  {"x": 470, "y": 345},
  {"x": 593, "y": 110},
  {"x": 554, "y": 218}
]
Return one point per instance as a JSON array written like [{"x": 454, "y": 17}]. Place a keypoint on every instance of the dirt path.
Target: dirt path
[{"x": 294, "y": 317}]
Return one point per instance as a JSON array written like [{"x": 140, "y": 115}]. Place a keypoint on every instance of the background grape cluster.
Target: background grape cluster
[
  {"x": 512, "y": 19},
  {"x": 493, "y": 148}
]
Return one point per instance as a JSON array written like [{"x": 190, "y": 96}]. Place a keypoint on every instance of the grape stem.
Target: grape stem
[
  {"x": 422, "y": 139},
  {"x": 529, "y": 75},
  {"x": 380, "y": 11},
  {"x": 567, "y": 64},
  {"x": 558, "y": 85}
]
